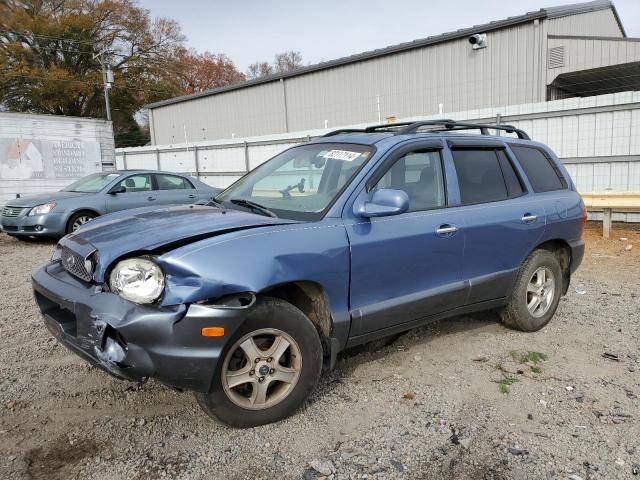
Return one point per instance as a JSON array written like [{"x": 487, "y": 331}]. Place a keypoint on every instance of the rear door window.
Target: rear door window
[
  {"x": 543, "y": 175},
  {"x": 480, "y": 176},
  {"x": 172, "y": 182}
]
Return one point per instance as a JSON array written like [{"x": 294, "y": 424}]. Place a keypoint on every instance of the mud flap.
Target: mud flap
[{"x": 329, "y": 361}]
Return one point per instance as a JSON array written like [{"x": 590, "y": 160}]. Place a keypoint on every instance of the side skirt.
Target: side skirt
[{"x": 403, "y": 327}]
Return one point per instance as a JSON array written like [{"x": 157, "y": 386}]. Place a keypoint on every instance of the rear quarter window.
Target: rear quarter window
[
  {"x": 172, "y": 182},
  {"x": 542, "y": 172}
]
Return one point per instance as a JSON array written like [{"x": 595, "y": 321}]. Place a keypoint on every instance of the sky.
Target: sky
[{"x": 255, "y": 30}]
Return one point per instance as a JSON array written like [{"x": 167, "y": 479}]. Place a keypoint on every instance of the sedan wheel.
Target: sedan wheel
[
  {"x": 81, "y": 220},
  {"x": 78, "y": 220},
  {"x": 261, "y": 369}
]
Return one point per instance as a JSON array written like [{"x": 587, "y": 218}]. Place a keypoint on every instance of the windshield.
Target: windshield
[
  {"x": 92, "y": 183},
  {"x": 300, "y": 183}
]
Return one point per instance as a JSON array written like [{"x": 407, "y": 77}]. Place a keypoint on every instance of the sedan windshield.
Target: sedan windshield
[
  {"x": 92, "y": 183},
  {"x": 300, "y": 183}
]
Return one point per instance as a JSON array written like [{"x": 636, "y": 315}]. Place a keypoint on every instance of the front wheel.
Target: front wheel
[
  {"x": 270, "y": 367},
  {"x": 79, "y": 219},
  {"x": 536, "y": 293}
]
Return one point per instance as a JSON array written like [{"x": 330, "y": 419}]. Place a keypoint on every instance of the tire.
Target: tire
[
  {"x": 78, "y": 219},
  {"x": 269, "y": 318},
  {"x": 521, "y": 312}
]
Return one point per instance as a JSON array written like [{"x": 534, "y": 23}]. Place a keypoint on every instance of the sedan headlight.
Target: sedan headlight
[
  {"x": 137, "y": 279},
  {"x": 42, "y": 209}
]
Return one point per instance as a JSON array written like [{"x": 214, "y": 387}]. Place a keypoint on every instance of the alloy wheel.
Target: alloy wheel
[
  {"x": 81, "y": 220},
  {"x": 261, "y": 369},
  {"x": 540, "y": 291}
]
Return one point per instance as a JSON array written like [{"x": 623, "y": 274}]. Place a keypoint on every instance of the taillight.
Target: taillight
[{"x": 584, "y": 216}]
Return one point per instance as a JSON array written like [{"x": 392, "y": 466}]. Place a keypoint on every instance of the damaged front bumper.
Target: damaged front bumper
[{"x": 131, "y": 341}]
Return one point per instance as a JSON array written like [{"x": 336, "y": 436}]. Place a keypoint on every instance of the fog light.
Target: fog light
[{"x": 39, "y": 228}]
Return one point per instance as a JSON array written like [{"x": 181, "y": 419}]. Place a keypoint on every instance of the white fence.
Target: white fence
[{"x": 597, "y": 138}]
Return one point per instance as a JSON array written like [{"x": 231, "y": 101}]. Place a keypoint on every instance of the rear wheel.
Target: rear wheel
[
  {"x": 79, "y": 219},
  {"x": 536, "y": 294},
  {"x": 270, "y": 368}
]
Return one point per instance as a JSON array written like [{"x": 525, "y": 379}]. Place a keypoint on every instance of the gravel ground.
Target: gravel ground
[{"x": 455, "y": 399}]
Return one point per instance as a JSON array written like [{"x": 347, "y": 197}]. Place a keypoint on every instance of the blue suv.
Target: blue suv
[{"x": 356, "y": 236}]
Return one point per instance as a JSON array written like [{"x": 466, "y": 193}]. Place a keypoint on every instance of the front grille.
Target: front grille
[
  {"x": 74, "y": 264},
  {"x": 12, "y": 212}
]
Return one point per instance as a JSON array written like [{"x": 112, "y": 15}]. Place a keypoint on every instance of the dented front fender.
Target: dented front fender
[{"x": 259, "y": 259}]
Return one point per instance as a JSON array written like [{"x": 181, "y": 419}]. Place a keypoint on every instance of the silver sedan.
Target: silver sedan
[{"x": 59, "y": 213}]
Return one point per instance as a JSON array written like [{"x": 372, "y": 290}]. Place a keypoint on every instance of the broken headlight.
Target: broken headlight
[{"x": 137, "y": 279}]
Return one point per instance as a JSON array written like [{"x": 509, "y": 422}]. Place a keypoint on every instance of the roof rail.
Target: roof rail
[
  {"x": 385, "y": 127},
  {"x": 445, "y": 124},
  {"x": 344, "y": 130},
  {"x": 448, "y": 125}
]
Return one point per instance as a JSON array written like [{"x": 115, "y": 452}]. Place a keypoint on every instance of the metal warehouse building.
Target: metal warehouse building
[{"x": 575, "y": 50}]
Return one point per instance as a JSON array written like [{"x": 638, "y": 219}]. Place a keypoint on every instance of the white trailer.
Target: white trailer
[{"x": 43, "y": 153}]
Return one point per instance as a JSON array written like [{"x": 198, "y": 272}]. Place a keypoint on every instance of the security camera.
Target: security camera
[{"x": 479, "y": 40}]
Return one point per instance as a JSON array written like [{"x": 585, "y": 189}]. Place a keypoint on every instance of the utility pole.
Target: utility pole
[
  {"x": 107, "y": 80},
  {"x": 107, "y": 77}
]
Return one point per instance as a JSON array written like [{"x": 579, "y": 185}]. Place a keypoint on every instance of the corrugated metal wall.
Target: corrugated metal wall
[
  {"x": 583, "y": 54},
  {"x": 598, "y": 138},
  {"x": 418, "y": 81},
  {"x": 599, "y": 23},
  {"x": 257, "y": 111},
  {"x": 20, "y": 127},
  {"x": 404, "y": 84},
  {"x": 512, "y": 70}
]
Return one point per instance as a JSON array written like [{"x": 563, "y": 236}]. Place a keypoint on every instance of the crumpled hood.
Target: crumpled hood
[
  {"x": 150, "y": 228},
  {"x": 33, "y": 200}
]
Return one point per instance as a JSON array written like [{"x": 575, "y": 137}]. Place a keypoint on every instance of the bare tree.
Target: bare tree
[
  {"x": 282, "y": 63},
  {"x": 287, "y": 61},
  {"x": 259, "y": 69}
]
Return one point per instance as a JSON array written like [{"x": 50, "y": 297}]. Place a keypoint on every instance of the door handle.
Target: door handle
[
  {"x": 528, "y": 218},
  {"x": 151, "y": 198},
  {"x": 446, "y": 230},
  {"x": 192, "y": 196}
]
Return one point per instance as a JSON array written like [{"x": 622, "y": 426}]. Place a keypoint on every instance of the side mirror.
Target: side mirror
[
  {"x": 384, "y": 202},
  {"x": 117, "y": 189}
]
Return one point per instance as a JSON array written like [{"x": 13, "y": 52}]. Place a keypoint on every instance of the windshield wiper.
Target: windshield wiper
[
  {"x": 212, "y": 202},
  {"x": 256, "y": 207}
]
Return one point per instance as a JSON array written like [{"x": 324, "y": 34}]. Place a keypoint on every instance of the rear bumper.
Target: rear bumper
[
  {"x": 130, "y": 341},
  {"x": 577, "y": 253},
  {"x": 51, "y": 224}
]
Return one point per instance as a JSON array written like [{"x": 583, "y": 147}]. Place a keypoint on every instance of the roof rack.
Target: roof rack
[
  {"x": 448, "y": 125},
  {"x": 385, "y": 127},
  {"x": 404, "y": 128},
  {"x": 344, "y": 130}
]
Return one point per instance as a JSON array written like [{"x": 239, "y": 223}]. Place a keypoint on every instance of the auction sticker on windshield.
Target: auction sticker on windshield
[{"x": 343, "y": 155}]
